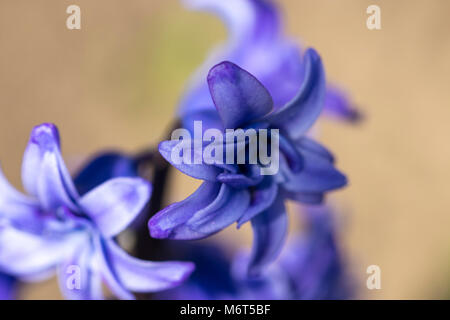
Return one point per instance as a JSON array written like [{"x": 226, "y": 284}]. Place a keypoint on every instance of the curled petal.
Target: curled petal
[
  {"x": 199, "y": 171},
  {"x": 44, "y": 173},
  {"x": 240, "y": 180},
  {"x": 211, "y": 208},
  {"x": 116, "y": 203},
  {"x": 102, "y": 168},
  {"x": 269, "y": 235},
  {"x": 338, "y": 105},
  {"x": 24, "y": 254},
  {"x": 78, "y": 279},
  {"x": 318, "y": 175},
  {"x": 145, "y": 276},
  {"x": 262, "y": 197},
  {"x": 308, "y": 144},
  {"x": 238, "y": 96},
  {"x": 19, "y": 210},
  {"x": 297, "y": 116}
]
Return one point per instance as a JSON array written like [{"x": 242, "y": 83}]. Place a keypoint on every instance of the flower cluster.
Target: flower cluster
[
  {"x": 259, "y": 80},
  {"x": 56, "y": 228}
]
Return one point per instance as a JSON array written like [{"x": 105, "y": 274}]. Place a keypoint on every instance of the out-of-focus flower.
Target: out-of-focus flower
[
  {"x": 60, "y": 227},
  {"x": 310, "y": 267},
  {"x": 257, "y": 44},
  {"x": 7, "y": 287},
  {"x": 239, "y": 192}
]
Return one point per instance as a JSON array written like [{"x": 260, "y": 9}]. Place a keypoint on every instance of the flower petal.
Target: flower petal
[
  {"x": 19, "y": 210},
  {"x": 308, "y": 144},
  {"x": 238, "y": 96},
  {"x": 318, "y": 175},
  {"x": 201, "y": 171},
  {"x": 297, "y": 116},
  {"x": 102, "y": 168},
  {"x": 269, "y": 233},
  {"x": 24, "y": 254},
  {"x": 338, "y": 105},
  {"x": 77, "y": 278},
  {"x": 146, "y": 276},
  {"x": 7, "y": 287},
  {"x": 262, "y": 197},
  {"x": 44, "y": 173},
  {"x": 211, "y": 208},
  {"x": 116, "y": 203}
]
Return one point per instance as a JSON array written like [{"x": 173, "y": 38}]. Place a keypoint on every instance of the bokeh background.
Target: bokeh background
[{"x": 116, "y": 83}]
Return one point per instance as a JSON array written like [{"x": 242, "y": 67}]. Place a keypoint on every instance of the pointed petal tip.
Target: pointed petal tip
[
  {"x": 155, "y": 229},
  {"x": 45, "y": 135}
]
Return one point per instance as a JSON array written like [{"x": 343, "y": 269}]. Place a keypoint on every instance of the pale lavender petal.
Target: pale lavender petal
[
  {"x": 28, "y": 255},
  {"x": 116, "y": 203},
  {"x": 19, "y": 210},
  {"x": 103, "y": 265},
  {"x": 238, "y": 96},
  {"x": 77, "y": 278},
  {"x": 44, "y": 173},
  {"x": 145, "y": 276}
]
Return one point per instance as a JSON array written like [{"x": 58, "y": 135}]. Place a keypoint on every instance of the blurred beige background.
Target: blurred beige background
[{"x": 115, "y": 84}]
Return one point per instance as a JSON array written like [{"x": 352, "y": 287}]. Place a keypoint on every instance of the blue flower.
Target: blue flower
[
  {"x": 240, "y": 193},
  {"x": 7, "y": 287},
  {"x": 310, "y": 267},
  {"x": 257, "y": 44},
  {"x": 59, "y": 227}
]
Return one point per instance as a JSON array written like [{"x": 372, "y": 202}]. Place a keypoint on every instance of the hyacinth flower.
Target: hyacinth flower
[
  {"x": 55, "y": 228},
  {"x": 310, "y": 268},
  {"x": 239, "y": 193},
  {"x": 257, "y": 44},
  {"x": 7, "y": 287}
]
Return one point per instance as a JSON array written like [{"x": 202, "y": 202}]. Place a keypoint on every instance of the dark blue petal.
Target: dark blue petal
[
  {"x": 44, "y": 173},
  {"x": 8, "y": 287},
  {"x": 116, "y": 203},
  {"x": 269, "y": 235},
  {"x": 238, "y": 96},
  {"x": 213, "y": 207},
  {"x": 242, "y": 180},
  {"x": 302, "y": 111},
  {"x": 102, "y": 168},
  {"x": 318, "y": 175},
  {"x": 199, "y": 171},
  {"x": 308, "y": 144},
  {"x": 262, "y": 197}
]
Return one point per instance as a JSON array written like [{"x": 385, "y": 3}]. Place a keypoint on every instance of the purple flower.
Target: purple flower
[
  {"x": 257, "y": 44},
  {"x": 56, "y": 228},
  {"x": 310, "y": 267},
  {"x": 240, "y": 193},
  {"x": 7, "y": 287}
]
